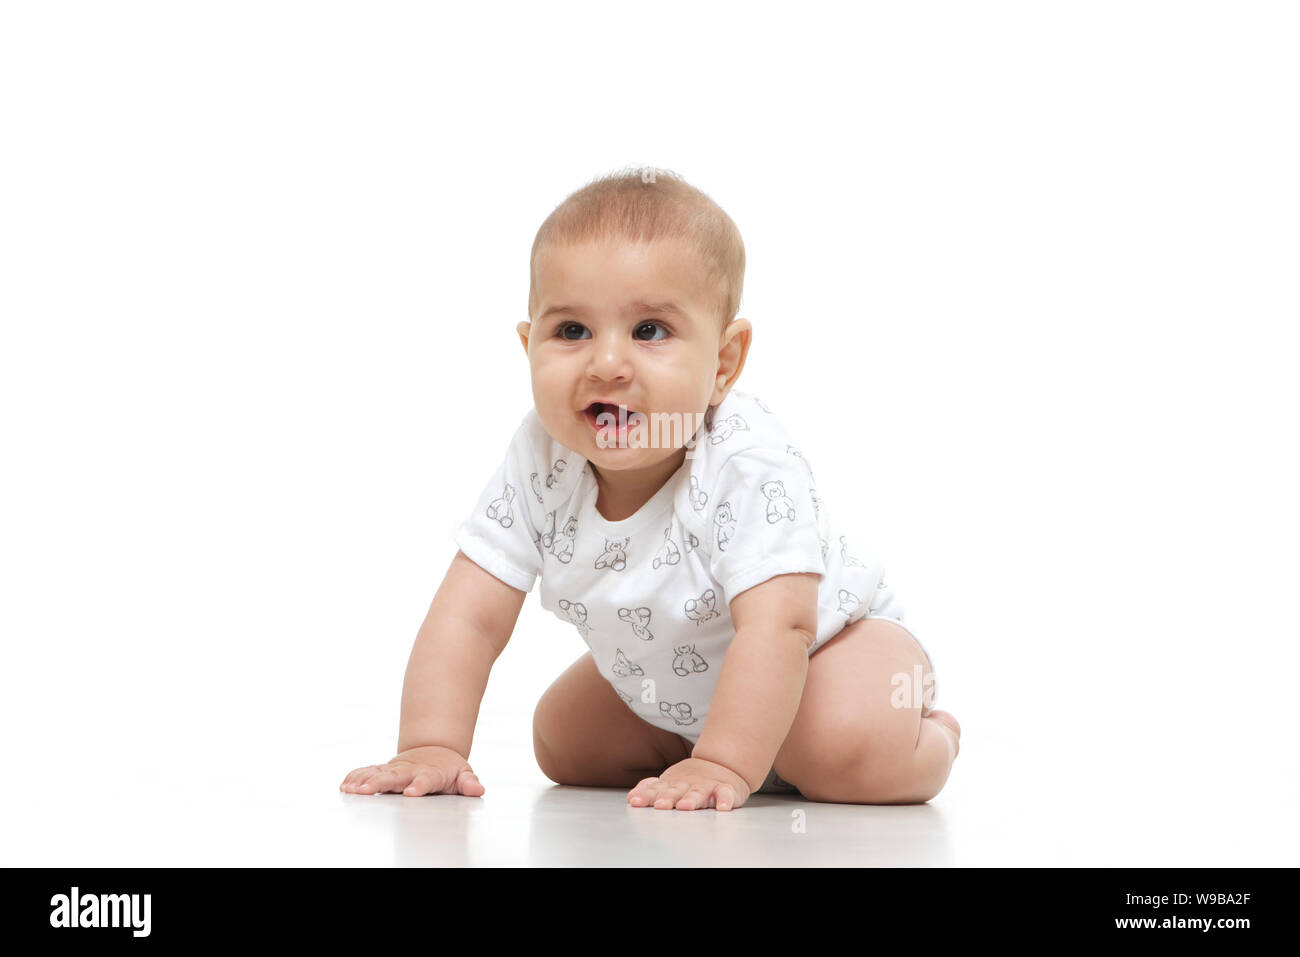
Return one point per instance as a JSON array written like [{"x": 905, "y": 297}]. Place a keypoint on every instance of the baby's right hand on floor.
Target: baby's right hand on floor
[{"x": 429, "y": 770}]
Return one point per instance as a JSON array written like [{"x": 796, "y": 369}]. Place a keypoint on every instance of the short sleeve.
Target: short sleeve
[
  {"x": 500, "y": 535},
  {"x": 764, "y": 521}
]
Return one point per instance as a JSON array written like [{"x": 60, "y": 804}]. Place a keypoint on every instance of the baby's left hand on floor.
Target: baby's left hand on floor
[{"x": 691, "y": 785}]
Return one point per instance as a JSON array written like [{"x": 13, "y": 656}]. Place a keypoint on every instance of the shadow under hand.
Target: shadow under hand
[{"x": 577, "y": 826}]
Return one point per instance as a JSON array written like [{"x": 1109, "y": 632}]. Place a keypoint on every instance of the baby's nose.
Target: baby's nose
[{"x": 612, "y": 355}]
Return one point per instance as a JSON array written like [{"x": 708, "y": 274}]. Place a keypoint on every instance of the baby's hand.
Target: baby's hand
[
  {"x": 430, "y": 770},
  {"x": 690, "y": 785}
]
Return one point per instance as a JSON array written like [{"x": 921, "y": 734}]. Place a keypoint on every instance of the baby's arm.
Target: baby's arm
[
  {"x": 762, "y": 677},
  {"x": 468, "y": 625}
]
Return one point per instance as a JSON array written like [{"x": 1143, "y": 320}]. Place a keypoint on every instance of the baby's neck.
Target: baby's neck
[{"x": 620, "y": 494}]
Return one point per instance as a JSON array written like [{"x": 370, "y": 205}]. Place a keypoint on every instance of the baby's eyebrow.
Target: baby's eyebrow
[
  {"x": 667, "y": 307},
  {"x": 637, "y": 306}
]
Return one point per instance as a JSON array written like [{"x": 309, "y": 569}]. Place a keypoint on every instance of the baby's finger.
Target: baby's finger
[
  {"x": 468, "y": 784},
  {"x": 356, "y": 777},
  {"x": 644, "y": 792},
  {"x": 725, "y": 797},
  {"x": 668, "y": 796},
  {"x": 365, "y": 777},
  {"x": 387, "y": 779},
  {"x": 428, "y": 781},
  {"x": 349, "y": 778},
  {"x": 696, "y": 797}
]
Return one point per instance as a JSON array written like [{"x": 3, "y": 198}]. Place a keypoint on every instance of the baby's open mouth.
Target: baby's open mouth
[{"x": 597, "y": 409}]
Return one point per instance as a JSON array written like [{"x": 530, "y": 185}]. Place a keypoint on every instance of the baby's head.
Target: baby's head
[{"x": 636, "y": 280}]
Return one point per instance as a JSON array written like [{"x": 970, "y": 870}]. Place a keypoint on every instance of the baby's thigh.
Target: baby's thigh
[
  {"x": 861, "y": 706},
  {"x": 583, "y": 734}
]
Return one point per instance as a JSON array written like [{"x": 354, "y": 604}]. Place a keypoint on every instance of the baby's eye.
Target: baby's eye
[
  {"x": 564, "y": 330},
  {"x": 570, "y": 325},
  {"x": 651, "y": 325}
]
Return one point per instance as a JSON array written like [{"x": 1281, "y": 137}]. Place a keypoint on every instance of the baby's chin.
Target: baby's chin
[{"x": 628, "y": 459}]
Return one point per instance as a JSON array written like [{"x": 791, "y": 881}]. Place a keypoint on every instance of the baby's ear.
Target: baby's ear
[{"x": 524, "y": 328}]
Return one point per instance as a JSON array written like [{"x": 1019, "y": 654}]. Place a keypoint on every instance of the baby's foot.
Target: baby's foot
[{"x": 945, "y": 720}]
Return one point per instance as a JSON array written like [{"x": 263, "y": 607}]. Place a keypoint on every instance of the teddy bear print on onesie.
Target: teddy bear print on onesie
[{"x": 650, "y": 594}]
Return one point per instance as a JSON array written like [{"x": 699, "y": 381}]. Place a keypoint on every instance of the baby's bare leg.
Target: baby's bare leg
[
  {"x": 583, "y": 734},
  {"x": 851, "y": 742}
]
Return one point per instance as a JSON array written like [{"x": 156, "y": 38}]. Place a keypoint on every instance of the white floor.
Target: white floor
[
  {"x": 1138, "y": 740},
  {"x": 1147, "y": 738},
  {"x": 280, "y": 805}
]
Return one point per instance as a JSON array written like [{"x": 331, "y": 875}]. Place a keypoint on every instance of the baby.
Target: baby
[{"x": 737, "y": 642}]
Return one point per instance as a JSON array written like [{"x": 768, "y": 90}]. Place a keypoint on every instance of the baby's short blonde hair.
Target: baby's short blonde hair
[{"x": 643, "y": 204}]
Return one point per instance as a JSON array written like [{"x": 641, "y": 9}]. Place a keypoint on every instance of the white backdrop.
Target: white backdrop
[{"x": 1023, "y": 284}]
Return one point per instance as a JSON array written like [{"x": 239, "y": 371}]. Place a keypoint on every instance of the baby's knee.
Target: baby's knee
[
  {"x": 545, "y": 760},
  {"x": 544, "y": 732},
  {"x": 887, "y": 763}
]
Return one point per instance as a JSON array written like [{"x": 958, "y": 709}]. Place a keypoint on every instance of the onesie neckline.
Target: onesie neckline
[{"x": 653, "y": 508}]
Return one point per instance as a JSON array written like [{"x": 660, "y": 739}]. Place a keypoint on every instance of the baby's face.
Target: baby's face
[{"x": 605, "y": 330}]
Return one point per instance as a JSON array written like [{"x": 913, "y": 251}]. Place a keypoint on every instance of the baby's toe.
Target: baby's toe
[
  {"x": 947, "y": 719},
  {"x": 949, "y": 722}
]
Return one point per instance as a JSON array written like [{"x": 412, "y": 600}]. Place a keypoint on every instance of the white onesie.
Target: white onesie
[{"x": 650, "y": 594}]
